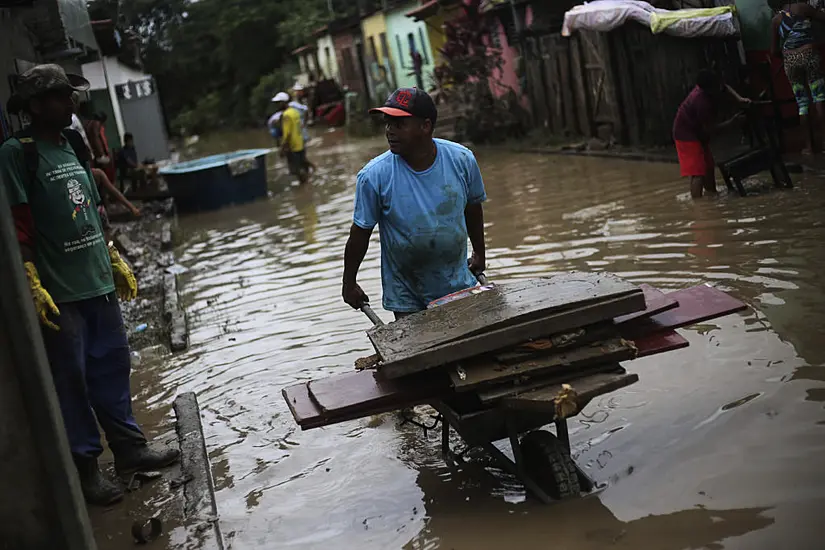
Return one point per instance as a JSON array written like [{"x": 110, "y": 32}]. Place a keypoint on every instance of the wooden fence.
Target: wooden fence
[{"x": 624, "y": 85}]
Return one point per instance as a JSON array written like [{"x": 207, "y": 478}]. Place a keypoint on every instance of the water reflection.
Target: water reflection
[{"x": 262, "y": 293}]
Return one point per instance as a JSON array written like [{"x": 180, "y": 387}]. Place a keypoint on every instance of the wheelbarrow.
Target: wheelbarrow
[
  {"x": 516, "y": 411},
  {"x": 542, "y": 461}
]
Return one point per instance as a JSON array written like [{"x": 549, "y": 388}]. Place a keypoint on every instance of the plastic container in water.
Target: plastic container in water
[{"x": 216, "y": 181}]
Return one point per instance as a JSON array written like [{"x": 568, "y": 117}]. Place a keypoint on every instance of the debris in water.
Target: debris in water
[
  {"x": 176, "y": 269},
  {"x": 566, "y": 402}
]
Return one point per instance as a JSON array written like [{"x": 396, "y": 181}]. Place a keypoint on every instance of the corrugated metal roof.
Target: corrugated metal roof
[{"x": 57, "y": 23}]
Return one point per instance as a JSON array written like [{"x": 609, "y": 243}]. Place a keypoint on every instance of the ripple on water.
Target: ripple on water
[{"x": 262, "y": 292}]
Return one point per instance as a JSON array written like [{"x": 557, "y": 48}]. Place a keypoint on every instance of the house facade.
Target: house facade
[
  {"x": 407, "y": 37},
  {"x": 40, "y": 31},
  {"x": 379, "y": 65},
  {"x": 327, "y": 60}
]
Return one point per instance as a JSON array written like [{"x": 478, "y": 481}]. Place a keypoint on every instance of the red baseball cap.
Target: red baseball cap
[{"x": 409, "y": 102}]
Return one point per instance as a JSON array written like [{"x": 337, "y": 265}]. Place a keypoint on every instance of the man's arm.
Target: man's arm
[
  {"x": 474, "y": 218},
  {"x": 356, "y": 249},
  {"x": 474, "y": 214}
]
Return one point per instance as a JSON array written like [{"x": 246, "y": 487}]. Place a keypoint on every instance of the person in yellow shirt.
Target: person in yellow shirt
[{"x": 292, "y": 139}]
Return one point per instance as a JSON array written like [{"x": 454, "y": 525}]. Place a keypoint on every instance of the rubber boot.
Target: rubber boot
[
  {"x": 96, "y": 489},
  {"x": 144, "y": 457}
]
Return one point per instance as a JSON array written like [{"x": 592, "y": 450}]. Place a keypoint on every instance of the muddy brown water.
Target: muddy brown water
[{"x": 720, "y": 445}]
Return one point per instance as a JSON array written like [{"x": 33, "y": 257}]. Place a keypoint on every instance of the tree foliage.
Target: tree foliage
[
  {"x": 208, "y": 56},
  {"x": 471, "y": 60}
]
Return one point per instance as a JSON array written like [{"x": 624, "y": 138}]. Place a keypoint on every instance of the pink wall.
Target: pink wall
[{"x": 507, "y": 77}]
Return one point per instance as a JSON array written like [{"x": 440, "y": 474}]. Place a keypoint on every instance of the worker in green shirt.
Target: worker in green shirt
[{"x": 75, "y": 280}]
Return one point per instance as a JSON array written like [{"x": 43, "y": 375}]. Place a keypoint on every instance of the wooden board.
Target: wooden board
[
  {"x": 696, "y": 304},
  {"x": 356, "y": 395},
  {"x": 660, "y": 343},
  {"x": 558, "y": 342},
  {"x": 300, "y": 404},
  {"x": 496, "y": 393},
  {"x": 508, "y": 336},
  {"x": 656, "y": 302},
  {"x": 543, "y": 400},
  {"x": 585, "y": 127},
  {"x": 376, "y": 398},
  {"x": 490, "y": 371},
  {"x": 341, "y": 394},
  {"x": 506, "y": 305}
]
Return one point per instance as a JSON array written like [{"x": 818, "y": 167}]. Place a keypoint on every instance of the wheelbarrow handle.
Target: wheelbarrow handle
[
  {"x": 371, "y": 315},
  {"x": 376, "y": 320}
]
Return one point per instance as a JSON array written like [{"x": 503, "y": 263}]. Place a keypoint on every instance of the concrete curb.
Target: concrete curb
[
  {"x": 173, "y": 314},
  {"x": 200, "y": 506},
  {"x": 615, "y": 154}
]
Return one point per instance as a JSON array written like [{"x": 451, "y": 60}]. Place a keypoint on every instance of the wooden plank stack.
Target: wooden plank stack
[{"x": 515, "y": 345}]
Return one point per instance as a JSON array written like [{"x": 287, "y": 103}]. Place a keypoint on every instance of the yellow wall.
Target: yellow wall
[
  {"x": 372, "y": 27},
  {"x": 435, "y": 31}
]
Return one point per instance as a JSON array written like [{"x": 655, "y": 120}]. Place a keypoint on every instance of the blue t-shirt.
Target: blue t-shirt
[{"x": 421, "y": 221}]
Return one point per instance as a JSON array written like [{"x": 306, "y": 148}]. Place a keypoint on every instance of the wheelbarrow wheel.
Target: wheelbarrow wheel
[{"x": 547, "y": 462}]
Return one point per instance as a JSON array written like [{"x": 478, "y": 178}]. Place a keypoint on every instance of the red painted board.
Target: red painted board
[
  {"x": 340, "y": 394},
  {"x": 696, "y": 304},
  {"x": 356, "y": 395},
  {"x": 300, "y": 404},
  {"x": 656, "y": 302},
  {"x": 659, "y": 343}
]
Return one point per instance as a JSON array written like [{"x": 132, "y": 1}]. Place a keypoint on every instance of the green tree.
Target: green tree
[{"x": 212, "y": 54}]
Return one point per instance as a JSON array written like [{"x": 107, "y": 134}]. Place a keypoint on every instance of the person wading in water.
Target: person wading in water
[{"x": 425, "y": 195}]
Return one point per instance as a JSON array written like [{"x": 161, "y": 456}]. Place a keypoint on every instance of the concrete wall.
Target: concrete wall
[
  {"x": 327, "y": 58},
  {"x": 41, "y": 504},
  {"x": 399, "y": 29},
  {"x": 23, "y": 495},
  {"x": 118, "y": 73},
  {"x": 15, "y": 44}
]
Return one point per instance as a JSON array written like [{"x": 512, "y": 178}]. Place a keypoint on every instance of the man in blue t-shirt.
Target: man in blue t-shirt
[{"x": 425, "y": 195}]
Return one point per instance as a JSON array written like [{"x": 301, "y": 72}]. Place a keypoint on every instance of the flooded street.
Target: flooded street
[{"x": 718, "y": 446}]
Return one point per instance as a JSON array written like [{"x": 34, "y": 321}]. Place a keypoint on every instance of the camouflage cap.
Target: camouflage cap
[{"x": 44, "y": 78}]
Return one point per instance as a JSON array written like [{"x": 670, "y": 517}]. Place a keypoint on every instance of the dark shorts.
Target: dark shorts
[{"x": 297, "y": 162}]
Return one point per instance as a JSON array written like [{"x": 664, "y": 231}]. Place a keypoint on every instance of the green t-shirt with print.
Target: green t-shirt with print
[{"x": 70, "y": 248}]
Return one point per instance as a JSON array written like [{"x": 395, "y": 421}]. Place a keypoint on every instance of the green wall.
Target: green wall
[
  {"x": 755, "y": 19},
  {"x": 101, "y": 103}
]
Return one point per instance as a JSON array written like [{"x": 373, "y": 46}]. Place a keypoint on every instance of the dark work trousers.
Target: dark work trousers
[{"x": 90, "y": 364}]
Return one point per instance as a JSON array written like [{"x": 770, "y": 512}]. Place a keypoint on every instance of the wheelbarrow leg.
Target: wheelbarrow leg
[
  {"x": 585, "y": 481},
  {"x": 561, "y": 432},
  {"x": 445, "y": 443}
]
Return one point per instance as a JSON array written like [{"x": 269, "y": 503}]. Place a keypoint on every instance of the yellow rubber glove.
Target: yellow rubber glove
[
  {"x": 125, "y": 281},
  {"x": 43, "y": 302}
]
